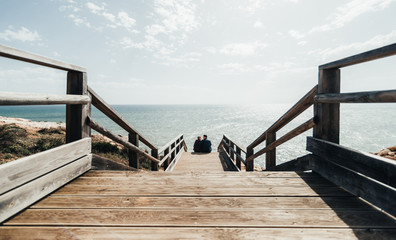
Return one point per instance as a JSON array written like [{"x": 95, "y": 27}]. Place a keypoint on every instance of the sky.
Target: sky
[{"x": 197, "y": 52}]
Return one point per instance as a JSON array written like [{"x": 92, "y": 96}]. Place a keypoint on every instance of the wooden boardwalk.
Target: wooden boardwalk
[
  {"x": 199, "y": 162},
  {"x": 191, "y": 203}
]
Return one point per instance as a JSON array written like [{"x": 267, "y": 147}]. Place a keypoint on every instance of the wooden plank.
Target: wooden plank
[
  {"x": 358, "y": 97},
  {"x": 16, "y": 98},
  {"x": 290, "y": 135},
  {"x": 105, "y": 108},
  {"x": 218, "y": 182},
  {"x": 328, "y": 114},
  {"x": 20, "y": 171},
  {"x": 76, "y": 127},
  {"x": 375, "y": 192},
  {"x": 24, "y": 56},
  {"x": 376, "y": 167},
  {"x": 210, "y": 218},
  {"x": 14, "y": 201},
  {"x": 378, "y": 53},
  {"x": 199, "y": 162},
  {"x": 197, "y": 190},
  {"x": 27, "y": 233},
  {"x": 175, "y": 161},
  {"x": 303, "y": 104},
  {"x": 270, "y": 156},
  {"x": 243, "y": 175},
  {"x": 170, "y": 203},
  {"x": 243, "y": 148},
  {"x": 93, "y": 124}
]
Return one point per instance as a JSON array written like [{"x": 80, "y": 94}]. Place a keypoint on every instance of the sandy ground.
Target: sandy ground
[{"x": 29, "y": 124}]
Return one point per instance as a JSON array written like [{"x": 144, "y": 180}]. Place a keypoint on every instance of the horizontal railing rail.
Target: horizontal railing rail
[
  {"x": 16, "y": 98},
  {"x": 358, "y": 97}
]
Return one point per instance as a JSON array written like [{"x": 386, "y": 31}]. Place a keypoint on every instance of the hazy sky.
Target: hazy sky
[{"x": 202, "y": 51}]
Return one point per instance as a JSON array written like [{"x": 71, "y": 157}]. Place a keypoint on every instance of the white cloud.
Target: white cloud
[
  {"x": 376, "y": 41},
  {"x": 270, "y": 68},
  {"x": 243, "y": 49},
  {"x": 179, "y": 61},
  {"x": 295, "y": 34},
  {"x": 79, "y": 21},
  {"x": 258, "y": 24},
  {"x": 351, "y": 10},
  {"x": 23, "y": 34}
]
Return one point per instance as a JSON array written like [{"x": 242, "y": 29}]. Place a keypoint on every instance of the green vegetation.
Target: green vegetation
[{"x": 17, "y": 142}]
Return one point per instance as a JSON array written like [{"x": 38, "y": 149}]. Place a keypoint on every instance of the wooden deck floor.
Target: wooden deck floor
[
  {"x": 199, "y": 162},
  {"x": 199, "y": 205}
]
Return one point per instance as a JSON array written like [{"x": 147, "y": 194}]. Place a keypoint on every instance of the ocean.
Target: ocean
[{"x": 365, "y": 127}]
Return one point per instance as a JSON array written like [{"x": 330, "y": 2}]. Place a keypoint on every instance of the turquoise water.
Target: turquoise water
[{"x": 366, "y": 127}]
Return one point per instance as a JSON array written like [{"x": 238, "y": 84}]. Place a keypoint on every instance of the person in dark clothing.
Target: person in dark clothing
[
  {"x": 206, "y": 145},
  {"x": 197, "y": 144}
]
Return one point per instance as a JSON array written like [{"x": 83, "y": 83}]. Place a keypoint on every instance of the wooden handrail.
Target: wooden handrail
[
  {"x": 162, "y": 149},
  {"x": 16, "y": 98},
  {"x": 358, "y": 97},
  {"x": 235, "y": 152},
  {"x": 96, "y": 126},
  {"x": 105, "y": 108},
  {"x": 293, "y": 133},
  {"x": 170, "y": 152},
  {"x": 240, "y": 146},
  {"x": 303, "y": 104},
  {"x": 24, "y": 56},
  {"x": 378, "y": 53}
]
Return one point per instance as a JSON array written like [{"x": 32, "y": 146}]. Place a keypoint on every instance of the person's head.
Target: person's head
[
  {"x": 205, "y": 137},
  {"x": 199, "y": 138}
]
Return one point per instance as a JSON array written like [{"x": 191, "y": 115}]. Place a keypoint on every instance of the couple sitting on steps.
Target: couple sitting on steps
[{"x": 204, "y": 145}]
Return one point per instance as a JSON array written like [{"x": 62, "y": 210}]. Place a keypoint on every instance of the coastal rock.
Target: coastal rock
[{"x": 389, "y": 153}]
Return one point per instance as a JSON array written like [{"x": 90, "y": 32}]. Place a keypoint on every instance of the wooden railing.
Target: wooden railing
[
  {"x": 326, "y": 98},
  {"x": 234, "y": 152}
]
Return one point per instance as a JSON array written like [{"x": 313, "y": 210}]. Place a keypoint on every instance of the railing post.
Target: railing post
[
  {"x": 238, "y": 160},
  {"x": 328, "y": 114},
  {"x": 232, "y": 156},
  {"x": 132, "y": 155},
  {"x": 166, "y": 163},
  {"x": 249, "y": 164},
  {"x": 76, "y": 114},
  {"x": 270, "y": 157},
  {"x": 154, "y": 165}
]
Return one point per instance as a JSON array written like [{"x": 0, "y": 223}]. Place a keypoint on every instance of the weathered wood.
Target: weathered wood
[
  {"x": 202, "y": 203},
  {"x": 24, "y": 56},
  {"x": 103, "y": 163},
  {"x": 270, "y": 156},
  {"x": 197, "y": 190},
  {"x": 18, "y": 172},
  {"x": 168, "y": 233},
  {"x": 377, "y": 193},
  {"x": 105, "y": 108},
  {"x": 238, "y": 158},
  {"x": 227, "y": 162},
  {"x": 174, "y": 161},
  {"x": 243, "y": 148},
  {"x": 15, "y": 98},
  {"x": 293, "y": 133},
  {"x": 362, "y": 57},
  {"x": 168, "y": 156},
  {"x": 14, "y": 201},
  {"x": 358, "y": 97},
  {"x": 93, "y": 124},
  {"x": 133, "y": 138},
  {"x": 300, "y": 164},
  {"x": 378, "y": 168},
  {"x": 328, "y": 114},
  {"x": 197, "y": 162},
  {"x": 303, "y": 104},
  {"x": 249, "y": 164},
  {"x": 212, "y": 218},
  {"x": 76, "y": 128},
  {"x": 154, "y": 165}
]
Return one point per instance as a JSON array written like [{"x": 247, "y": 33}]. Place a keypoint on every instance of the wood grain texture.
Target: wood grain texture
[
  {"x": 358, "y": 97},
  {"x": 213, "y": 218},
  {"x": 16, "y": 98},
  {"x": 14, "y": 201},
  {"x": 376, "y": 167},
  {"x": 378, "y": 53},
  {"x": 168, "y": 233},
  {"x": 24, "y": 56},
  {"x": 199, "y": 162},
  {"x": 20, "y": 171},
  {"x": 203, "y": 203}
]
